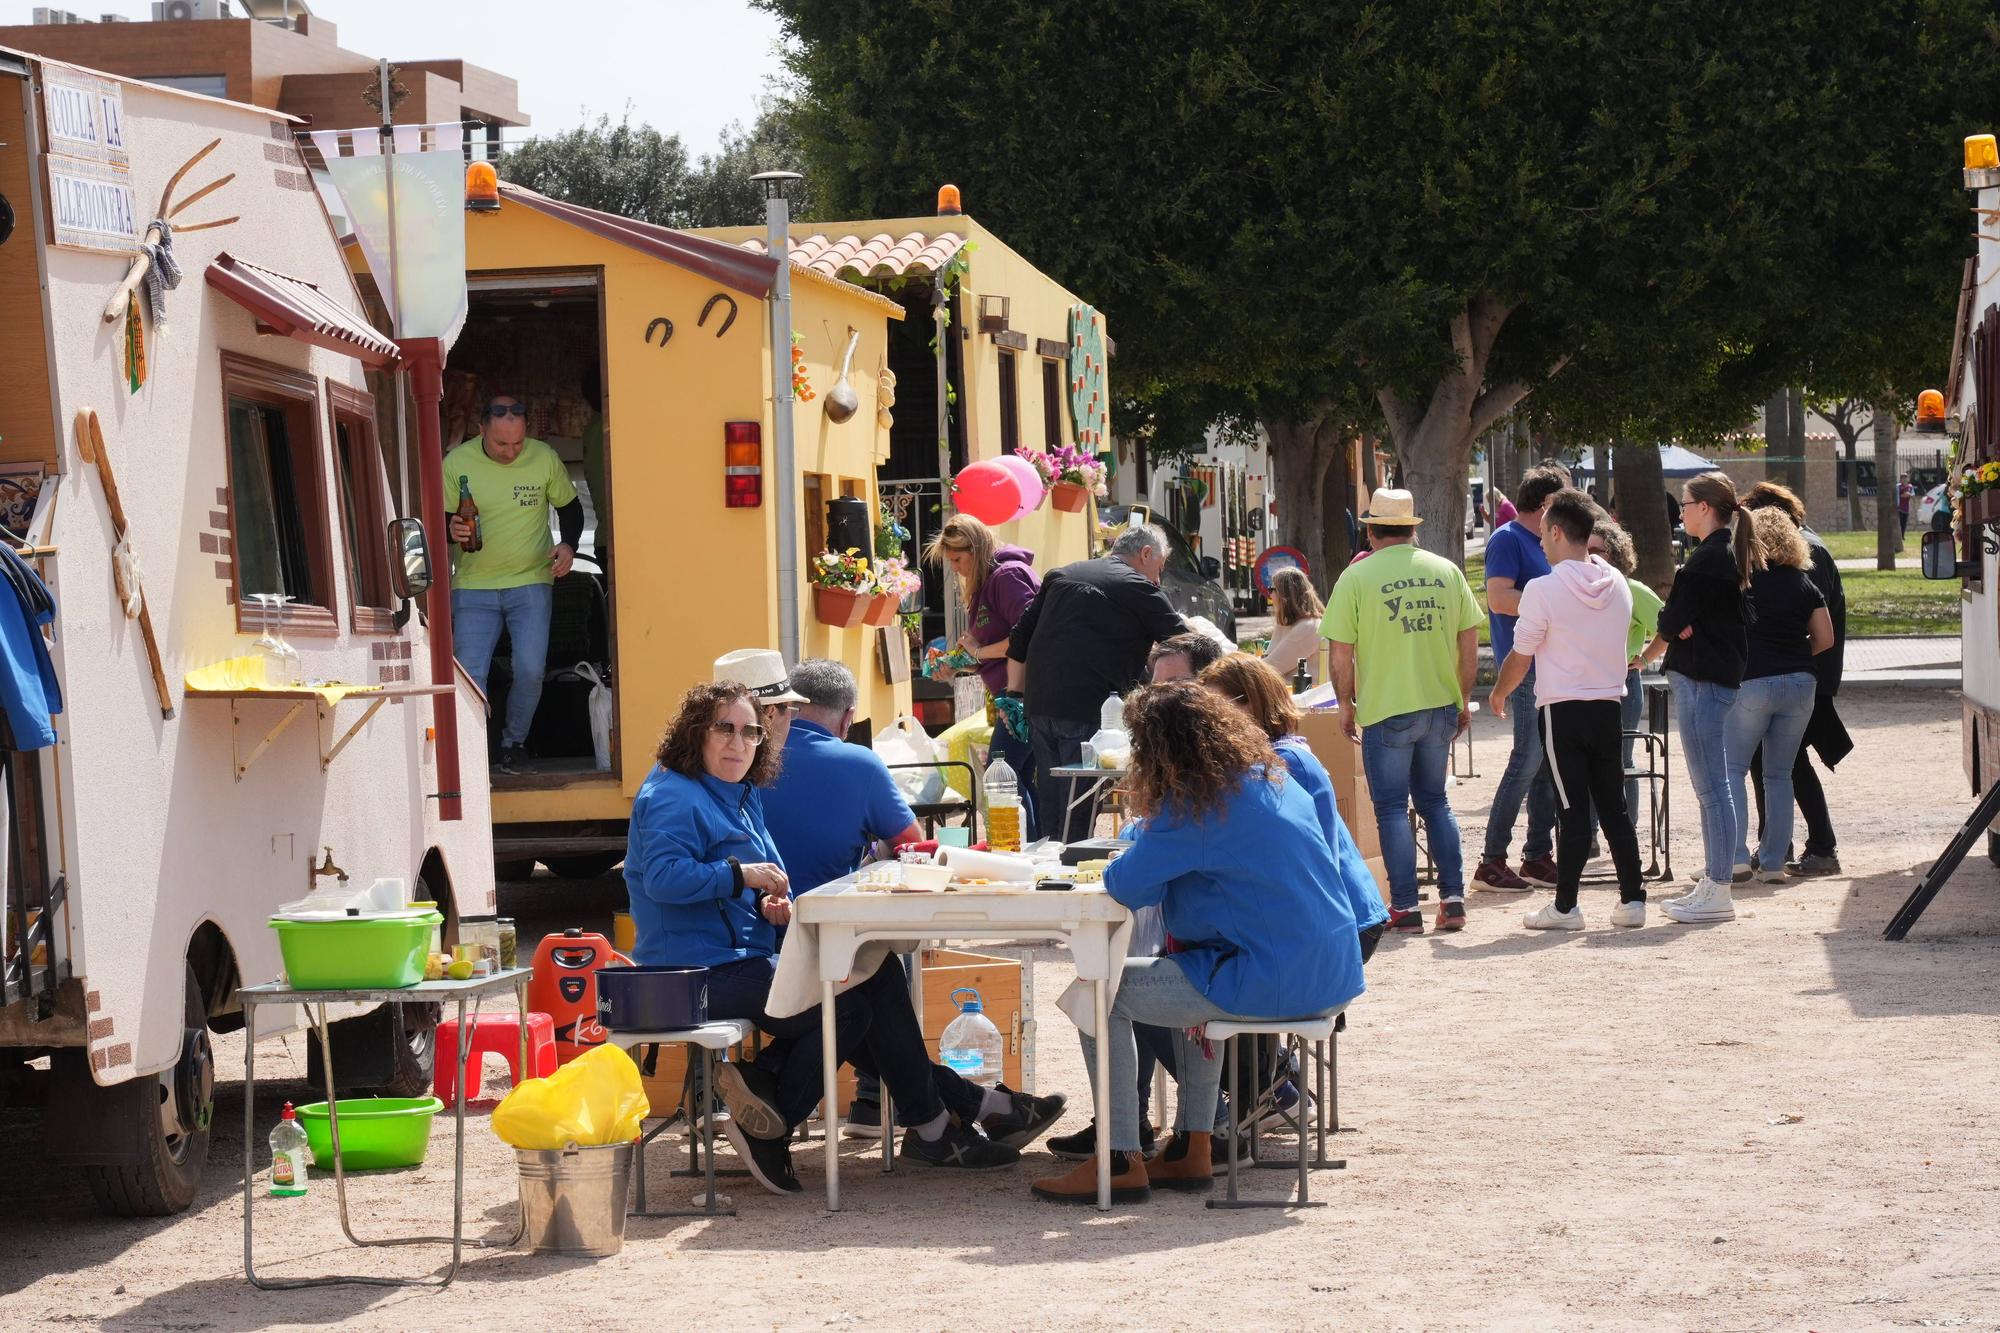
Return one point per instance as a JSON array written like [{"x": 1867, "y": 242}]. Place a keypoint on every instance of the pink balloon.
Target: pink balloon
[
  {"x": 988, "y": 492},
  {"x": 1031, "y": 481}
]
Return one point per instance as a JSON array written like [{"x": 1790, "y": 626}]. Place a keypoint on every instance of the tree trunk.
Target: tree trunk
[
  {"x": 1642, "y": 511},
  {"x": 1300, "y": 453},
  {"x": 1795, "y": 442},
  {"x": 1524, "y": 454},
  {"x": 1435, "y": 459},
  {"x": 1888, "y": 532},
  {"x": 1334, "y": 550},
  {"x": 1850, "y": 439}
]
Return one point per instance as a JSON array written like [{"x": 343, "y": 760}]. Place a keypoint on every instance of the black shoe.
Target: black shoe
[
  {"x": 1076, "y": 1147},
  {"x": 1026, "y": 1120},
  {"x": 958, "y": 1146},
  {"x": 752, "y": 1098},
  {"x": 769, "y": 1160},
  {"x": 863, "y": 1120},
  {"x": 513, "y": 759}
]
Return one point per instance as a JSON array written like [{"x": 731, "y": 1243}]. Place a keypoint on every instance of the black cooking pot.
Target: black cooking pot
[{"x": 652, "y": 999}]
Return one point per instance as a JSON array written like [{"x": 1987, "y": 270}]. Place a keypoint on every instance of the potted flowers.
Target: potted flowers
[
  {"x": 894, "y": 581},
  {"x": 1979, "y": 491},
  {"x": 843, "y": 587},
  {"x": 1071, "y": 475}
]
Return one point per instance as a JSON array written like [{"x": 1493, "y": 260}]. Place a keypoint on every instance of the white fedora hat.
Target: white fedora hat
[
  {"x": 763, "y": 671},
  {"x": 1392, "y": 509}
]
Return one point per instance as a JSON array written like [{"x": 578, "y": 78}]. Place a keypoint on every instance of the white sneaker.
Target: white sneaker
[
  {"x": 1546, "y": 917},
  {"x": 1741, "y": 872},
  {"x": 1686, "y": 894},
  {"x": 1709, "y": 902},
  {"x": 1629, "y": 914},
  {"x": 1775, "y": 875}
]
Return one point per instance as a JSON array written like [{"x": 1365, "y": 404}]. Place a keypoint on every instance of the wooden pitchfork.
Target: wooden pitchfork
[
  {"x": 90, "y": 443},
  {"x": 115, "y": 307}
]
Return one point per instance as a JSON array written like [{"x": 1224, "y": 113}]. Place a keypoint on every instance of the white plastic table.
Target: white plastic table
[
  {"x": 1088, "y": 783},
  {"x": 838, "y": 918},
  {"x": 424, "y": 992}
]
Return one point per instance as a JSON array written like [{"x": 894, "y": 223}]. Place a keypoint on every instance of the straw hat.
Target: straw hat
[
  {"x": 1392, "y": 509},
  {"x": 763, "y": 671}
]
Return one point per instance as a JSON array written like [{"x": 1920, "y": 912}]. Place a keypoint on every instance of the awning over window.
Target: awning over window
[{"x": 293, "y": 308}]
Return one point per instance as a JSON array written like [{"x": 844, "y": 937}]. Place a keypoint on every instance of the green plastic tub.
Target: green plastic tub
[
  {"x": 375, "y": 1132},
  {"x": 358, "y": 954}
]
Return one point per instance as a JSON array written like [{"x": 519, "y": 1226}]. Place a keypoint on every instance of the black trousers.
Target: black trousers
[
  {"x": 875, "y": 1030},
  {"x": 1583, "y": 739}
]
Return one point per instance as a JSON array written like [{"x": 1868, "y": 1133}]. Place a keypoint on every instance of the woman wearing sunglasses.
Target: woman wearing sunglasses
[{"x": 708, "y": 889}]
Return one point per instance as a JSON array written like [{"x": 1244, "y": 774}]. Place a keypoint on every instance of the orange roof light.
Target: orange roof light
[
  {"x": 1930, "y": 412},
  {"x": 948, "y": 205},
  {"x": 482, "y": 188},
  {"x": 1981, "y": 153}
]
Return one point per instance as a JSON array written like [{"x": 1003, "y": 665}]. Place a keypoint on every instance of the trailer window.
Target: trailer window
[
  {"x": 276, "y": 492},
  {"x": 361, "y": 484}
]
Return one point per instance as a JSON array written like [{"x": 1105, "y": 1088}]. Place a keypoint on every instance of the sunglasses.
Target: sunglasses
[
  {"x": 499, "y": 410},
  {"x": 751, "y": 735}
]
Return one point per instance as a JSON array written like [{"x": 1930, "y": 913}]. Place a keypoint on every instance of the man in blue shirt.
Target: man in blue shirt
[{"x": 1513, "y": 557}]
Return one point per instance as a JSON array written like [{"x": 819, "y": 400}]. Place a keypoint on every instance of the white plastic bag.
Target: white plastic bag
[
  {"x": 905, "y": 741},
  {"x": 600, "y": 715}
]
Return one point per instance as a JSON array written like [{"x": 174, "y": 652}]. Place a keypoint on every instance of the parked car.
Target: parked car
[
  {"x": 1927, "y": 507},
  {"x": 1190, "y": 581}
]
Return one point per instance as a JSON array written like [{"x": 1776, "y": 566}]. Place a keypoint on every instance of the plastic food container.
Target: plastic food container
[
  {"x": 356, "y": 953},
  {"x": 652, "y": 999},
  {"x": 375, "y": 1132}
]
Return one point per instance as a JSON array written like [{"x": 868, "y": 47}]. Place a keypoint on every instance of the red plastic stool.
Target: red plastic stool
[{"x": 499, "y": 1034}]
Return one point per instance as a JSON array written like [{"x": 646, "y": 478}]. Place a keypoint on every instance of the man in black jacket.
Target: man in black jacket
[
  {"x": 1824, "y": 732},
  {"x": 1085, "y": 636}
]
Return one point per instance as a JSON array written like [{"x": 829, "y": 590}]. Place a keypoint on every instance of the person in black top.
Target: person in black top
[
  {"x": 1825, "y": 733},
  {"x": 1702, "y": 634},
  {"x": 1084, "y": 637},
  {"x": 1789, "y": 625}
]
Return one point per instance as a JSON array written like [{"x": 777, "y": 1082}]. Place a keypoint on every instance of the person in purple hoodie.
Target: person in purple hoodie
[{"x": 997, "y": 582}]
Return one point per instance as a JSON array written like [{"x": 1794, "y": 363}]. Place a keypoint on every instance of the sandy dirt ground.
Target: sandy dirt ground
[{"x": 1779, "y": 1122}]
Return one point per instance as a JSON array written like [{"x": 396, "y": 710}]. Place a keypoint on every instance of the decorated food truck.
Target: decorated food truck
[{"x": 217, "y": 698}]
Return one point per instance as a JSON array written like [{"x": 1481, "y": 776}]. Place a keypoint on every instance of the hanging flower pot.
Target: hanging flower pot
[
  {"x": 882, "y": 611},
  {"x": 841, "y": 607},
  {"x": 1069, "y": 497}
]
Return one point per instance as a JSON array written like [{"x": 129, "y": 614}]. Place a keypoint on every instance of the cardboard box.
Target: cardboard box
[
  {"x": 1342, "y": 758},
  {"x": 1380, "y": 871}
]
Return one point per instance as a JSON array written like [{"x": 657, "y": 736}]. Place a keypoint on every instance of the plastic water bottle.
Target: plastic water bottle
[
  {"x": 970, "y": 1046},
  {"x": 288, "y": 1156},
  {"x": 1003, "y": 808}
]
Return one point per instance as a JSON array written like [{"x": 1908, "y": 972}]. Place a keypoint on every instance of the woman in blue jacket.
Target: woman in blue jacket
[
  {"x": 1232, "y": 854},
  {"x": 708, "y": 889}
]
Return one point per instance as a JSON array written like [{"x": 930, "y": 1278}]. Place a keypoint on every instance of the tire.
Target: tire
[
  {"x": 175, "y": 1109},
  {"x": 589, "y": 865},
  {"x": 513, "y": 871},
  {"x": 416, "y": 1056}
]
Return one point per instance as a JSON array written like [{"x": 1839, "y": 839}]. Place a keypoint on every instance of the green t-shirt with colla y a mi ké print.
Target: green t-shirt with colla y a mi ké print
[{"x": 1403, "y": 609}]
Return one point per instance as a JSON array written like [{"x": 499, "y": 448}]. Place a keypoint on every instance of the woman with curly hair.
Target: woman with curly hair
[
  {"x": 708, "y": 889},
  {"x": 1232, "y": 854}
]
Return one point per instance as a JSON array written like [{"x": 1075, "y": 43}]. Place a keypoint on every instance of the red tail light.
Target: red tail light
[{"x": 743, "y": 464}]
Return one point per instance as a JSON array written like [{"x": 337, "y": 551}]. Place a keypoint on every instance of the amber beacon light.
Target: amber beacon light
[
  {"x": 482, "y": 188},
  {"x": 1981, "y": 153},
  {"x": 1930, "y": 412}
]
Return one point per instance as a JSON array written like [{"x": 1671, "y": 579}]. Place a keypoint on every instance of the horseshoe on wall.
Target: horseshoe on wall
[
  {"x": 727, "y": 320},
  {"x": 662, "y": 323}
]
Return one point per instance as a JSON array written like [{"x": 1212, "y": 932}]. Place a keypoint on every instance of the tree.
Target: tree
[{"x": 1847, "y": 416}]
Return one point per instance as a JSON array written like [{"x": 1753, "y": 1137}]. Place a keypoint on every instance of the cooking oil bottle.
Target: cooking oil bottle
[{"x": 1003, "y": 807}]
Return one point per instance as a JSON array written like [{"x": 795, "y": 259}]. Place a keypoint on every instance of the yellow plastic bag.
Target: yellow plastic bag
[
  {"x": 957, "y": 741},
  {"x": 594, "y": 1100}
]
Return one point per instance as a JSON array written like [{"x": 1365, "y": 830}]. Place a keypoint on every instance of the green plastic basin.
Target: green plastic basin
[
  {"x": 375, "y": 1132},
  {"x": 357, "y": 954}
]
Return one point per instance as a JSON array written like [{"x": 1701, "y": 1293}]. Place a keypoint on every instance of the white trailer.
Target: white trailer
[{"x": 152, "y": 840}]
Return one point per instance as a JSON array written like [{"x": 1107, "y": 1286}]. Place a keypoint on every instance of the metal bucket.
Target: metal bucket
[{"x": 573, "y": 1199}]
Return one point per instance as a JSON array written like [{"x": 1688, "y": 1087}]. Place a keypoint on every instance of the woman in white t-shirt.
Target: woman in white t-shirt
[{"x": 1297, "y": 609}]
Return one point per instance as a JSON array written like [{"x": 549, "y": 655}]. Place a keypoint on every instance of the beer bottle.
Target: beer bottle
[{"x": 468, "y": 513}]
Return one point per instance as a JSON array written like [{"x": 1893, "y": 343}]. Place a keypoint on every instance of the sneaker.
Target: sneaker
[
  {"x": 1451, "y": 914},
  {"x": 1495, "y": 877},
  {"x": 1629, "y": 913},
  {"x": 769, "y": 1160},
  {"x": 1409, "y": 922},
  {"x": 1083, "y": 1144},
  {"x": 513, "y": 759},
  {"x": 1775, "y": 875},
  {"x": 1546, "y": 917},
  {"x": 1710, "y": 901},
  {"x": 1540, "y": 871},
  {"x": 1812, "y": 865},
  {"x": 966, "y": 1149},
  {"x": 1026, "y": 1120},
  {"x": 1740, "y": 873},
  {"x": 863, "y": 1120},
  {"x": 752, "y": 1098}
]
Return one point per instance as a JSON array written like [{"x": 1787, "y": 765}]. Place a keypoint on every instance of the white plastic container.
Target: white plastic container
[{"x": 971, "y": 1046}]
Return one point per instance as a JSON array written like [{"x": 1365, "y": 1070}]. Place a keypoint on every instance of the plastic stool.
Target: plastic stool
[
  {"x": 712, "y": 1039},
  {"x": 1296, "y": 1032},
  {"x": 499, "y": 1034}
]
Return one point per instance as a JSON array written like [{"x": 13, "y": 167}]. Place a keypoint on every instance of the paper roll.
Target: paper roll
[{"x": 966, "y": 863}]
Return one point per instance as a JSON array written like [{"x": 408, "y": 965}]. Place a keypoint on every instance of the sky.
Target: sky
[{"x": 687, "y": 67}]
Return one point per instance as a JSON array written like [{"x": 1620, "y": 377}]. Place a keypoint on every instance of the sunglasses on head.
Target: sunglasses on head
[
  {"x": 752, "y": 734},
  {"x": 499, "y": 410}
]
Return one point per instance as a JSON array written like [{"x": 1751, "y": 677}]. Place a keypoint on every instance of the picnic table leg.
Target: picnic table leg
[{"x": 830, "y": 1090}]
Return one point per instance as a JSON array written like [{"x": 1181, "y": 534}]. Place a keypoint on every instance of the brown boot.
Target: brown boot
[
  {"x": 1079, "y": 1183},
  {"x": 1184, "y": 1164}
]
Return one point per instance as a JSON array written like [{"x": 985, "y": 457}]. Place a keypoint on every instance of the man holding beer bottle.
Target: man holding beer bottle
[{"x": 504, "y": 570}]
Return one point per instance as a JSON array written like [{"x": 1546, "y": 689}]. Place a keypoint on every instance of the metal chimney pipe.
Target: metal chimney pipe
[{"x": 777, "y": 236}]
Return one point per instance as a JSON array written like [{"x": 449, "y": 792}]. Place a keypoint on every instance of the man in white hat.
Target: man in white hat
[
  {"x": 763, "y": 670},
  {"x": 1405, "y": 632}
]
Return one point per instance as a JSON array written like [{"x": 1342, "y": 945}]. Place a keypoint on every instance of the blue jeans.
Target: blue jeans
[
  {"x": 1157, "y": 991},
  {"x": 1701, "y": 715},
  {"x": 1057, "y": 742},
  {"x": 1020, "y": 757},
  {"x": 1771, "y": 711},
  {"x": 477, "y": 617},
  {"x": 1526, "y": 778},
  {"x": 1407, "y": 759}
]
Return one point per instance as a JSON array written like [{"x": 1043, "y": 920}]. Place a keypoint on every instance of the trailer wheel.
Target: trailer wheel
[
  {"x": 175, "y": 1113},
  {"x": 1993, "y": 847},
  {"x": 588, "y": 865},
  {"x": 509, "y": 872},
  {"x": 416, "y": 1054}
]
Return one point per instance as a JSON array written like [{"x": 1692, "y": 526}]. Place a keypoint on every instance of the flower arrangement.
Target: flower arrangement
[
  {"x": 802, "y": 388},
  {"x": 895, "y": 579},
  {"x": 1977, "y": 478},
  {"x": 1068, "y": 466},
  {"x": 846, "y": 571}
]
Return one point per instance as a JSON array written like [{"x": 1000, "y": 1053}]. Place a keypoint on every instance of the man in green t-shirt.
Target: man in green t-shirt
[
  {"x": 509, "y": 581},
  {"x": 1405, "y": 632}
]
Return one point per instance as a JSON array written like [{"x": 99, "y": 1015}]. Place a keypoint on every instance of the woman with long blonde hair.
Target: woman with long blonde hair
[{"x": 1297, "y": 610}]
